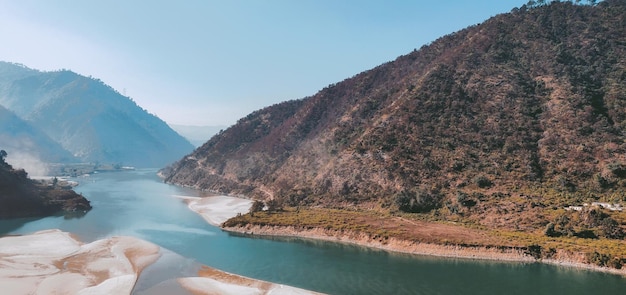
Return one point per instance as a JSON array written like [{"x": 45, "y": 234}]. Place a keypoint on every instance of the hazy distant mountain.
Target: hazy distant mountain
[
  {"x": 23, "y": 141},
  {"x": 531, "y": 102},
  {"x": 197, "y": 135},
  {"x": 88, "y": 118}
]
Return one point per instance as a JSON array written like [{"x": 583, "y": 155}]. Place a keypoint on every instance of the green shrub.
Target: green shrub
[
  {"x": 550, "y": 231},
  {"x": 256, "y": 207},
  {"x": 616, "y": 263},
  {"x": 417, "y": 202},
  {"x": 464, "y": 199},
  {"x": 618, "y": 169},
  {"x": 610, "y": 228},
  {"x": 274, "y": 205},
  {"x": 534, "y": 251},
  {"x": 598, "y": 258},
  {"x": 482, "y": 181},
  {"x": 586, "y": 234}
]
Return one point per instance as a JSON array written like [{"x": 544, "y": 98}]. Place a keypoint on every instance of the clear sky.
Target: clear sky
[{"x": 209, "y": 62}]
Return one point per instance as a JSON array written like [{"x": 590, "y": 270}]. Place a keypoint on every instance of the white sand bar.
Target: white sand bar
[
  {"x": 210, "y": 286},
  {"x": 54, "y": 262},
  {"x": 217, "y": 209},
  {"x": 213, "y": 281}
]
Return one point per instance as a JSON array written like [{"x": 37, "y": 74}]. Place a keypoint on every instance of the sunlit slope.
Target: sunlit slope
[{"x": 528, "y": 106}]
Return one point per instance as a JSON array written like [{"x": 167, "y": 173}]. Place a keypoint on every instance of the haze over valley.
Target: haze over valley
[
  {"x": 472, "y": 155},
  {"x": 65, "y": 117}
]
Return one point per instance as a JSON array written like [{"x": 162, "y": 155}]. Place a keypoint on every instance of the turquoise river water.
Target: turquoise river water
[{"x": 137, "y": 203}]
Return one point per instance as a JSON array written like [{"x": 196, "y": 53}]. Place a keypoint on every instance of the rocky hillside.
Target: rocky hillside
[
  {"x": 89, "y": 119},
  {"x": 528, "y": 107},
  {"x": 22, "y": 197}
]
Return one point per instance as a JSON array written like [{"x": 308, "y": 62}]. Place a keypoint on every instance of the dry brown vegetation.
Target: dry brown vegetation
[
  {"x": 378, "y": 225},
  {"x": 500, "y": 125},
  {"x": 383, "y": 228}
]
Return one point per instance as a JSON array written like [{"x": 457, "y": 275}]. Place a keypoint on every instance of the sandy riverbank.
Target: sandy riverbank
[
  {"x": 390, "y": 244},
  {"x": 212, "y": 281},
  {"x": 217, "y": 209},
  {"x": 54, "y": 262},
  {"x": 416, "y": 248}
]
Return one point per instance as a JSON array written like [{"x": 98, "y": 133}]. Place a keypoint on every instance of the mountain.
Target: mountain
[
  {"x": 197, "y": 135},
  {"x": 524, "y": 112},
  {"x": 88, "y": 118},
  {"x": 20, "y": 139},
  {"x": 22, "y": 197}
]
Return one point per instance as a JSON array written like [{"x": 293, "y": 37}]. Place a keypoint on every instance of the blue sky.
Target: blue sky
[{"x": 205, "y": 62}]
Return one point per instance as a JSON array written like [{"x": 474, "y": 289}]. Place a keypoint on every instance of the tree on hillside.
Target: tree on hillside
[
  {"x": 416, "y": 201},
  {"x": 3, "y": 154},
  {"x": 257, "y": 206},
  {"x": 274, "y": 205},
  {"x": 537, "y": 3}
]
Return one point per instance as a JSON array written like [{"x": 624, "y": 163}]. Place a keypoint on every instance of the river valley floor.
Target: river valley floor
[{"x": 57, "y": 262}]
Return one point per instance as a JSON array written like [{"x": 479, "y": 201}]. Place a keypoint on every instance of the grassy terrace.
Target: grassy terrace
[{"x": 424, "y": 228}]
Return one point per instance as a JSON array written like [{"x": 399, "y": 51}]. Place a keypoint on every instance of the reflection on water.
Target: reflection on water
[{"x": 136, "y": 203}]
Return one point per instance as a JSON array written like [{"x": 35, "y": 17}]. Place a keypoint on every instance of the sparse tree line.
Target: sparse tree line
[
  {"x": 537, "y": 3},
  {"x": 3, "y": 154},
  {"x": 273, "y": 205},
  {"x": 600, "y": 259},
  {"x": 587, "y": 223}
]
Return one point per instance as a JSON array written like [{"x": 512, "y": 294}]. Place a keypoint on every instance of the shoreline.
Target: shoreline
[
  {"x": 391, "y": 245},
  {"x": 486, "y": 253},
  {"x": 216, "y": 209},
  {"x": 214, "y": 281},
  {"x": 210, "y": 207}
]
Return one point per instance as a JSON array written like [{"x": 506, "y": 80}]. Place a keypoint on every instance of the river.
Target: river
[{"x": 137, "y": 203}]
